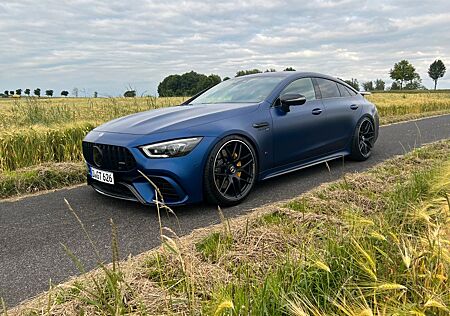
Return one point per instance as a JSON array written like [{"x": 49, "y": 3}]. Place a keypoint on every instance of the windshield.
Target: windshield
[{"x": 239, "y": 90}]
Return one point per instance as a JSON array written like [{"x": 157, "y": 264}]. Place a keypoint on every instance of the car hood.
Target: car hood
[{"x": 175, "y": 117}]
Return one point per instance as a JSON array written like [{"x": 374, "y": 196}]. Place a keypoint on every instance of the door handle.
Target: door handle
[
  {"x": 316, "y": 111},
  {"x": 260, "y": 125},
  {"x": 354, "y": 106}
]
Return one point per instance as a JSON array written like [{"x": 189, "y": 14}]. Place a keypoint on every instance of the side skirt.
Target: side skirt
[{"x": 305, "y": 165}]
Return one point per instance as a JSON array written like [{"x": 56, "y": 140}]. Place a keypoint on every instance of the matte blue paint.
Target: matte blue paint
[{"x": 290, "y": 141}]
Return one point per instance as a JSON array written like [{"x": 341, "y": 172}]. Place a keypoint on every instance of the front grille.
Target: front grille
[
  {"x": 114, "y": 158},
  {"x": 167, "y": 190},
  {"x": 117, "y": 190}
]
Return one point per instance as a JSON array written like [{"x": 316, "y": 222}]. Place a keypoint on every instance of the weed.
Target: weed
[{"x": 214, "y": 246}]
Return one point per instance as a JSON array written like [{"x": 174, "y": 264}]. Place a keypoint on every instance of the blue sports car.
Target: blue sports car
[{"x": 218, "y": 144}]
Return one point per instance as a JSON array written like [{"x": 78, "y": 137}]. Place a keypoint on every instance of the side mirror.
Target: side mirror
[{"x": 291, "y": 99}]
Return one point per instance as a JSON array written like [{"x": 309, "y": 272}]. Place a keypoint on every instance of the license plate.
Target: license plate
[{"x": 102, "y": 176}]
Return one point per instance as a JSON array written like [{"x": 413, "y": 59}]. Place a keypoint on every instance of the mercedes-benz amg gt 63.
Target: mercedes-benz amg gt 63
[{"x": 217, "y": 145}]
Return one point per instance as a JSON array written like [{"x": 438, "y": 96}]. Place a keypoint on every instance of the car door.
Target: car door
[
  {"x": 342, "y": 112},
  {"x": 300, "y": 133}
]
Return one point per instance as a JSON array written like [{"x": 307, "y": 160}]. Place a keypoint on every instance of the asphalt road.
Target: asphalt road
[{"x": 32, "y": 229}]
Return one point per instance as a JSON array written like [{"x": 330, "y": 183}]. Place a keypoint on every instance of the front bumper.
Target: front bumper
[{"x": 179, "y": 180}]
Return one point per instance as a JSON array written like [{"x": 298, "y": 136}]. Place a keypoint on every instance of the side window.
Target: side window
[
  {"x": 344, "y": 91},
  {"x": 328, "y": 88},
  {"x": 303, "y": 86}
]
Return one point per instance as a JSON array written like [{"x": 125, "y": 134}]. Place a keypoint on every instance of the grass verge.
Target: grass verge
[
  {"x": 372, "y": 243},
  {"x": 47, "y": 176}
]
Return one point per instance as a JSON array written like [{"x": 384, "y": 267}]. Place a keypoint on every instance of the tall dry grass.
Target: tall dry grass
[{"x": 35, "y": 145}]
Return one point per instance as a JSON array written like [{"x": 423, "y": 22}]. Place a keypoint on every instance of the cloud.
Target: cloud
[{"x": 106, "y": 45}]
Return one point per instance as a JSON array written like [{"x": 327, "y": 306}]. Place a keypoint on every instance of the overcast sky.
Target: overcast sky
[{"x": 106, "y": 46}]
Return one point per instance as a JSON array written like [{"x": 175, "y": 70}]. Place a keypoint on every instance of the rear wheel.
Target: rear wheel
[
  {"x": 230, "y": 171},
  {"x": 363, "y": 139}
]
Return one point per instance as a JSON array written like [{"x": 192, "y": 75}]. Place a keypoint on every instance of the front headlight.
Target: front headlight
[{"x": 172, "y": 148}]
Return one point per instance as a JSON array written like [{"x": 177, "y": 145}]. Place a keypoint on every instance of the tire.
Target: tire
[
  {"x": 363, "y": 139},
  {"x": 230, "y": 171}
]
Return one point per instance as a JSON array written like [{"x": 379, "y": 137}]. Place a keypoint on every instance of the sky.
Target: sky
[{"x": 109, "y": 46}]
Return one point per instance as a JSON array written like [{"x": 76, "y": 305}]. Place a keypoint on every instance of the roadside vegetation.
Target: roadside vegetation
[
  {"x": 372, "y": 243},
  {"x": 36, "y": 131},
  {"x": 46, "y": 176}
]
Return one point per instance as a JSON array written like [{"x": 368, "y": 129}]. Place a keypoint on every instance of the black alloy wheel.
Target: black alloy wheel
[
  {"x": 231, "y": 170},
  {"x": 363, "y": 139}
]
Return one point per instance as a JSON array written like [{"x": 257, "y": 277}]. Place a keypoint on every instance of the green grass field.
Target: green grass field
[{"x": 35, "y": 131}]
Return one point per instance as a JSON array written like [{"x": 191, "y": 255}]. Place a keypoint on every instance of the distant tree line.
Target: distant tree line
[
  {"x": 405, "y": 77},
  {"x": 187, "y": 84},
  {"x": 36, "y": 92}
]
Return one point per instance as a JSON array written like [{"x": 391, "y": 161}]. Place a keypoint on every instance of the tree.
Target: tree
[
  {"x": 402, "y": 72},
  {"x": 368, "y": 86},
  {"x": 379, "y": 85},
  {"x": 11, "y": 92},
  {"x": 247, "y": 72},
  {"x": 214, "y": 79},
  {"x": 27, "y": 92},
  {"x": 437, "y": 70},
  {"x": 65, "y": 93},
  {"x": 353, "y": 83},
  {"x": 130, "y": 94},
  {"x": 49, "y": 93},
  {"x": 95, "y": 94},
  {"x": 415, "y": 83},
  {"x": 271, "y": 70},
  {"x": 289, "y": 69},
  {"x": 395, "y": 86},
  {"x": 19, "y": 91},
  {"x": 75, "y": 92},
  {"x": 187, "y": 84},
  {"x": 37, "y": 92},
  {"x": 226, "y": 78},
  {"x": 6, "y": 92}
]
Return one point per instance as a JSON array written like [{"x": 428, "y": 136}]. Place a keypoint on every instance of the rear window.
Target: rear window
[
  {"x": 352, "y": 93},
  {"x": 328, "y": 88},
  {"x": 344, "y": 91}
]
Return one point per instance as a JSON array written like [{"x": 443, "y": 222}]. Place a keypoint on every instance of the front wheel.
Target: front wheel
[
  {"x": 363, "y": 139},
  {"x": 230, "y": 171}
]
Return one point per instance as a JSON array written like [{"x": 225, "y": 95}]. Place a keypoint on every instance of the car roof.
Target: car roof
[
  {"x": 287, "y": 74},
  {"x": 298, "y": 74}
]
